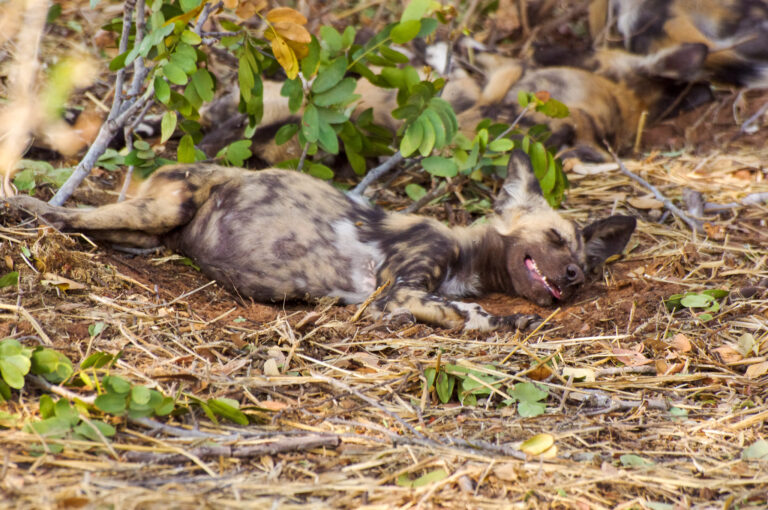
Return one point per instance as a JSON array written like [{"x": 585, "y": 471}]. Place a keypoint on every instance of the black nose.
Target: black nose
[{"x": 574, "y": 274}]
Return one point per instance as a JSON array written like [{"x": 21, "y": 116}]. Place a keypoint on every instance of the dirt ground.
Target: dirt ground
[{"x": 647, "y": 408}]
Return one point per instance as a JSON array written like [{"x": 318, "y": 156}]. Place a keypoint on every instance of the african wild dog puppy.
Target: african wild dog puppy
[
  {"x": 735, "y": 32},
  {"x": 276, "y": 235},
  {"x": 606, "y": 95}
]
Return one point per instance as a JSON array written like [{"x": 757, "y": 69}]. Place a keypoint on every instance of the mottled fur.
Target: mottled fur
[
  {"x": 276, "y": 235},
  {"x": 734, "y": 31},
  {"x": 606, "y": 95}
]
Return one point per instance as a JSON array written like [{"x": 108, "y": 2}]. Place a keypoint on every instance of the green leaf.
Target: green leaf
[
  {"x": 501, "y": 145},
  {"x": 715, "y": 293},
  {"x": 162, "y": 90},
  {"x": 339, "y": 93},
  {"x": 415, "y": 10},
  {"x": 11, "y": 375},
  {"x": 310, "y": 123},
  {"x": 695, "y": 300},
  {"x": 444, "y": 386},
  {"x": 327, "y": 138},
  {"x": 411, "y": 139},
  {"x": 63, "y": 410},
  {"x": 554, "y": 109},
  {"x": 203, "y": 83},
  {"x": 110, "y": 403},
  {"x": 431, "y": 477},
  {"x": 756, "y": 451},
  {"x": 117, "y": 384},
  {"x": 395, "y": 56},
  {"x": 140, "y": 394},
  {"x": 86, "y": 430},
  {"x": 405, "y": 31},
  {"x": 415, "y": 191},
  {"x": 438, "y": 128},
  {"x": 428, "y": 136},
  {"x": 238, "y": 152},
  {"x": 165, "y": 407},
  {"x": 53, "y": 427},
  {"x": 46, "y": 406},
  {"x": 97, "y": 359},
  {"x": 528, "y": 396},
  {"x": 348, "y": 37},
  {"x": 331, "y": 38},
  {"x": 285, "y": 133},
  {"x": 293, "y": 90},
  {"x": 312, "y": 60},
  {"x": 10, "y": 347},
  {"x": 185, "y": 153},
  {"x": 330, "y": 75},
  {"x": 523, "y": 98},
  {"x": 320, "y": 171},
  {"x": 227, "y": 408},
  {"x": 440, "y": 166},
  {"x": 189, "y": 37},
  {"x": 118, "y": 62},
  {"x": 174, "y": 73},
  {"x": 9, "y": 279},
  {"x": 538, "y": 155},
  {"x": 630, "y": 460},
  {"x": 167, "y": 126}
]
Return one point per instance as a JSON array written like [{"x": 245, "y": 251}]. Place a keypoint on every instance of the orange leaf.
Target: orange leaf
[
  {"x": 681, "y": 343},
  {"x": 272, "y": 405},
  {"x": 292, "y": 32},
  {"x": 248, "y": 8},
  {"x": 230, "y": 4},
  {"x": 630, "y": 357},
  {"x": 285, "y": 57},
  {"x": 729, "y": 354},
  {"x": 280, "y": 14},
  {"x": 757, "y": 370}
]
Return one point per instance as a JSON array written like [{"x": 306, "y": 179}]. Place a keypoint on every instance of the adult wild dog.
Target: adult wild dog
[
  {"x": 276, "y": 235},
  {"x": 606, "y": 95},
  {"x": 735, "y": 32}
]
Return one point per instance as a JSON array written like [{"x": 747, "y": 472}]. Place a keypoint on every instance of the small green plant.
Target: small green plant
[
  {"x": 468, "y": 384},
  {"x": 9, "y": 279},
  {"x": 62, "y": 420},
  {"x": 33, "y": 173},
  {"x": 701, "y": 304},
  {"x": 16, "y": 361}
]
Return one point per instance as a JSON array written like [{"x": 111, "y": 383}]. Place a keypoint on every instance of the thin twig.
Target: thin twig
[
  {"x": 695, "y": 225},
  {"x": 376, "y": 173}
]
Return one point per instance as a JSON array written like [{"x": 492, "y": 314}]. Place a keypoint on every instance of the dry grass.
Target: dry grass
[{"x": 347, "y": 414}]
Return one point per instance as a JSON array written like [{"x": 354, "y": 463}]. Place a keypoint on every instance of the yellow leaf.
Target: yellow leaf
[
  {"x": 230, "y": 4},
  {"x": 280, "y": 14},
  {"x": 538, "y": 444},
  {"x": 300, "y": 49},
  {"x": 285, "y": 57},
  {"x": 292, "y": 32}
]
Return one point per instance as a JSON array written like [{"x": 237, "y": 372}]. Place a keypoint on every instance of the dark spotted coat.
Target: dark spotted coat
[{"x": 275, "y": 235}]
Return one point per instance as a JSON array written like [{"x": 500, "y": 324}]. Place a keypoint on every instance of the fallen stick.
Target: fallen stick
[{"x": 695, "y": 225}]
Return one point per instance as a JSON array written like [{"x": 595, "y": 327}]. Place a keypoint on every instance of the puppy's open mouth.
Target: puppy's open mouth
[{"x": 533, "y": 270}]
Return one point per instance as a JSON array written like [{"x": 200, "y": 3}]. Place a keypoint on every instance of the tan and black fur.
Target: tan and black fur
[
  {"x": 273, "y": 235},
  {"x": 606, "y": 95},
  {"x": 735, "y": 33}
]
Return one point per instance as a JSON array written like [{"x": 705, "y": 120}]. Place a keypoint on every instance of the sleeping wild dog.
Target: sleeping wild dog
[
  {"x": 280, "y": 235},
  {"x": 606, "y": 93},
  {"x": 735, "y": 32}
]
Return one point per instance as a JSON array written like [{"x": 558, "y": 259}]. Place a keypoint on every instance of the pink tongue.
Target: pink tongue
[{"x": 552, "y": 289}]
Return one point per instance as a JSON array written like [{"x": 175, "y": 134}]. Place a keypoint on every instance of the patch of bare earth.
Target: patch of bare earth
[{"x": 346, "y": 416}]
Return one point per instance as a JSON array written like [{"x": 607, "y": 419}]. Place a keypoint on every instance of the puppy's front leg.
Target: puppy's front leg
[{"x": 435, "y": 309}]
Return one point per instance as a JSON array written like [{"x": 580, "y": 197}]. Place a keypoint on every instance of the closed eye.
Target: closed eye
[{"x": 556, "y": 238}]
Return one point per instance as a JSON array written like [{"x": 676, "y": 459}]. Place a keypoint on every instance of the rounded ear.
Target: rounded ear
[
  {"x": 521, "y": 187},
  {"x": 606, "y": 237}
]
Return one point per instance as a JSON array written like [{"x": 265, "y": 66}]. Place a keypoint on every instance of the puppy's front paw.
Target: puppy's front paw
[{"x": 520, "y": 321}]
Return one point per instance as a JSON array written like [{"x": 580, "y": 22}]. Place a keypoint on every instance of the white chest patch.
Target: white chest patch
[{"x": 364, "y": 262}]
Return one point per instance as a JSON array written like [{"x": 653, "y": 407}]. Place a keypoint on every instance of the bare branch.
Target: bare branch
[
  {"x": 376, "y": 173},
  {"x": 694, "y": 224}
]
